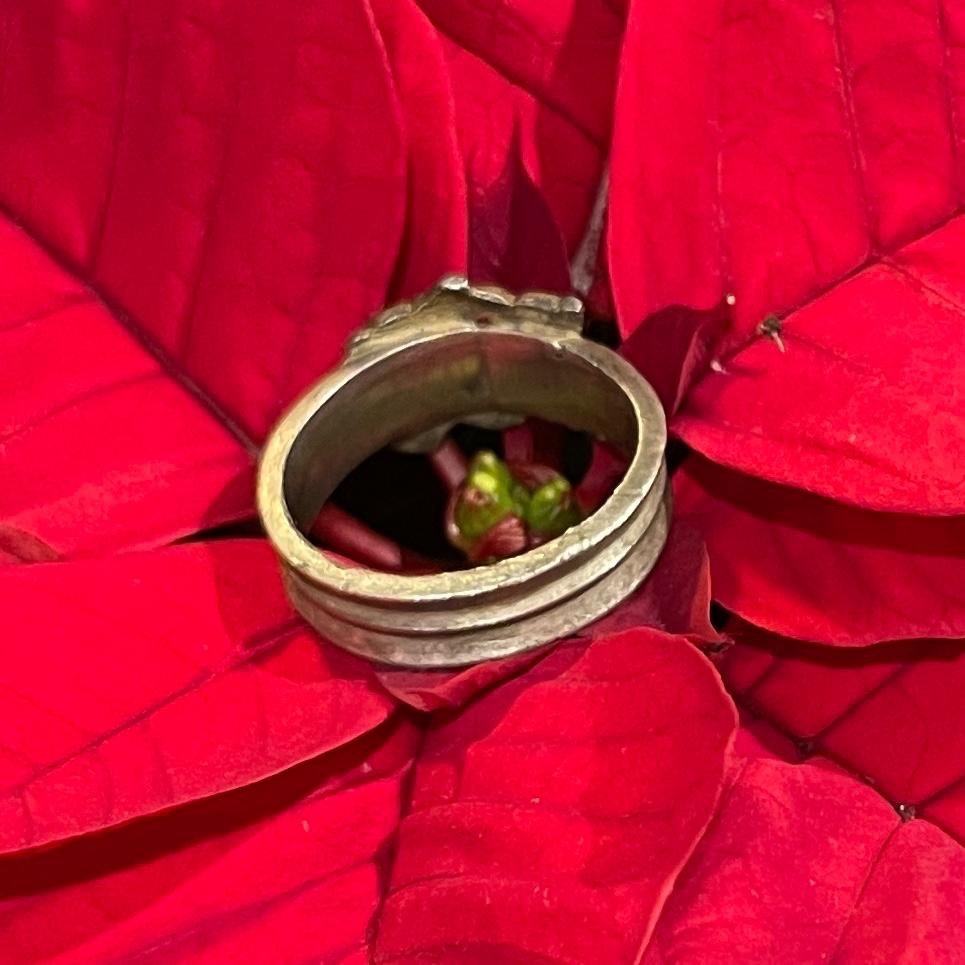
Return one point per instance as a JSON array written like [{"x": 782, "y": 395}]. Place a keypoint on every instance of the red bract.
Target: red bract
[
  {"x": 864, "y": 403},
  {"x": 534, "y": 80},
  {"x": 201, "y": 201},
  {"x": 807, "y": 567},
  {"x": 141, "y": 682},
  {"x": 285, "y": 869},
  {"x": 550, "y": 818},
  {"x": 78, "y": 385},
  {"x": 821, "y": 869},
  {"x": 887, "y": 714}
]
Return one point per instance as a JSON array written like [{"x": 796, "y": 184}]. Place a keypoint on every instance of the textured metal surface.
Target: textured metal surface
[{"x": 459, "y": 353}]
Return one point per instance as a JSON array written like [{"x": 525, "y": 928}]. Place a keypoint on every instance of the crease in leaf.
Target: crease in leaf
[
  {"x": 571, "y": 856},
  {"x": 804, "y": 864},
  {"x": 813, "y": 569},
  {"x": 179, "y": 683},
  {"x": 285, "y": 867}
]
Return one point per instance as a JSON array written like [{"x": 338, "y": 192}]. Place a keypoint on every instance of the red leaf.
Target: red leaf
[
  {"x": 810, "y": 568},
  {"x": 544, "y": 72},
  {"x": 892, "y": 920},
  {"x": 217, "y": 169},
  {"x": 135, "y": 683},
  {"x": 756, "y": 738},
  {"x": 674, "y": 349},
  {"x": 499, "y": 112},
  {"x": 802, "y": 864},
  {"x": 891, "y": 713},
  {"x": 550, "y": 819},
  {"x": 663, "y": 244},
  {"x": 535, "y": 441},
  {"x": 515, "y": 241},
  {"x": 434, "y": 241},
  {"x": 64, "y": 72},
  {"x": 866, "y": 403},
  {"x": 770, "y": 153},
  {"x": 449, "y": 689},
  {"x": 287, "y": 869},
  {"x": 565, "y": 54},
  {"x": 16, "y": 546},
  {"x": 675, "y": 597},
  {"x": 100, "y": 447},
  {"x": 607, "y": 467}
]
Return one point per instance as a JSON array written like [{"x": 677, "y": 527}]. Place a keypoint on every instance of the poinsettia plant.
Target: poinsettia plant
[{"x": 759, "y": 757}]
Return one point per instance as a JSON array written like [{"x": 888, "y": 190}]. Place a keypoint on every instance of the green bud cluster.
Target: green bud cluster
[{"x": 491, "y": 493}]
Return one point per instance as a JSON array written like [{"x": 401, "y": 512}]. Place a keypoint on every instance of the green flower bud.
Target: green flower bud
[
  {"x": 497, "y": 514},
  {"x": 490, "y": 494},
  {"x": 552, "y": 509}
]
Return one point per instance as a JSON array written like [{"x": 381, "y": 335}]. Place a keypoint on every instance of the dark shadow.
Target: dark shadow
[
  {"x": 399, "y": 496},
  {"x": 514, "y": 240},
  {"x": 891, "y": 653},
  {"x": 675, "y": 349}
]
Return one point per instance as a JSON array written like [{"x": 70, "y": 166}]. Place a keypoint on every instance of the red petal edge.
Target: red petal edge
[
  {"x": 138, "y": 682},
  {"x": 551, "y": 817},
  {"x": 891, "y": 713},
  {"x": 802, "y": 864},
  {"x": 287, "y": 869},
  {"x": 810, "y": 568}
]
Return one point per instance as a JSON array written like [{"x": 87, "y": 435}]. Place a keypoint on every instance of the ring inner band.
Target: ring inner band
[{"x": 442, "y": 379}]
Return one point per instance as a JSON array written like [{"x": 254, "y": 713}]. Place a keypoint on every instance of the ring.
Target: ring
[{"x": 456, "y": 352}]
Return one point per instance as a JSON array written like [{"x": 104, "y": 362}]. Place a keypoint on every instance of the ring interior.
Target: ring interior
[{"x": 435, "y": 381}]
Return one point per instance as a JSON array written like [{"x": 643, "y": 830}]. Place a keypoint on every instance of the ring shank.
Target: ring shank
[{"x": 446, "y": 368}]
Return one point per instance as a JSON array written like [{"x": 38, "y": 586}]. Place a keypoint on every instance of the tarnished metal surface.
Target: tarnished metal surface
[{"x": 458, "y": 353}]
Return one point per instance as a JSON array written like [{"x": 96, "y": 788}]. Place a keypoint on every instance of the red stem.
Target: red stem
[
  {"x": 449, "y": 464},
  {"x": 607, "y": 468},
  {"x": 342, "y": 532}
]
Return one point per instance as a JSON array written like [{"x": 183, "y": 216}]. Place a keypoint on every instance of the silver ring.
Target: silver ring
[{"x": 457, "y": 352}]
